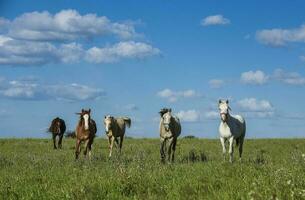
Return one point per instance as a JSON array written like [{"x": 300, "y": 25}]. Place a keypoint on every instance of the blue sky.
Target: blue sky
[{"x": 131, "y": 58}]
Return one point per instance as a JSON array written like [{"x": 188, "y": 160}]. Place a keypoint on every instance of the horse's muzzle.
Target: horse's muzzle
[{"x": 223, "y": 117}]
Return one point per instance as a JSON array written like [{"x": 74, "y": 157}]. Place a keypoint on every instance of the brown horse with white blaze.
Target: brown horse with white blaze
[
  {"x": 57, "y": 128},
  {"x": 85, "y": 132}
]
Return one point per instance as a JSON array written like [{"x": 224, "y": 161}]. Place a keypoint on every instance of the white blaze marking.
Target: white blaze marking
[{"x": 86, "y": 118}]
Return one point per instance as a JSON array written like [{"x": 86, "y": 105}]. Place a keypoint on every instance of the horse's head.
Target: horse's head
[
  {"x": 166, "y": 115},
  {"x": 108, "y": 122},
  {"x": 85, "y": 117},
  {"x": 55, "y": 126},
  {"x": 224, "y": 108}
]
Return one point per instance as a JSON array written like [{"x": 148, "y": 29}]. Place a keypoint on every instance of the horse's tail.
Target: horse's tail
[{"x": 127, "y": 121}]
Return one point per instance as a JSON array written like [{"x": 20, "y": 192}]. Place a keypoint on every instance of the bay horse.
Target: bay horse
[
  {"x": 115, "y": 128},
  {"x": 232, "y": 127},
  {"x": 57, "y": 128},
  {"x": 85, "y": 132},
  {"x": 170, "y": 129}
]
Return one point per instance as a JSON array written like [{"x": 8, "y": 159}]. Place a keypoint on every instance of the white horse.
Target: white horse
[{"x": 231, "y": 128}]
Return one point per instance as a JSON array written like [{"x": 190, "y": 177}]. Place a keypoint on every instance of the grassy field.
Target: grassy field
[{"x": 271, "y": 169}]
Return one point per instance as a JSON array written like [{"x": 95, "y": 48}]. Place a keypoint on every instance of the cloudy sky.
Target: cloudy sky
[{"x": 130, "y": 58}]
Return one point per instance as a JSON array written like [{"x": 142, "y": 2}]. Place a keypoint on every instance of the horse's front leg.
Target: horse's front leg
[
  {"x": 222, "y": 141},
  {"x": 86, "y": 147},
  {"x": 89, "y": 148},
  {"x": 241, "y": 143},
  {"x": 121, "y": 142},
  {"x": 169, "y": 150},
  {"x": 77, "y": 148},
  {"x": 116, "y": 142},
  {"x": 174, "y": 149},
  {"x": 111, "y": 141},
  {"x": 54, "y": 141},
  {"x": 162, "y": 153},
  {"x": 231, "y": 140},
  {"x": 60, "y": 141}
]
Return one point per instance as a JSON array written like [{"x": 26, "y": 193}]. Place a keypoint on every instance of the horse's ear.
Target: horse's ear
[
  {"x": 219, "y": 101},
  {"x": 89, "y": 110},
  {"x": 227, "y": 101},
  {"x": 170, "y": 110},
  {"x": 105, "y": 117},
  {"x": 83, "y": 110}
]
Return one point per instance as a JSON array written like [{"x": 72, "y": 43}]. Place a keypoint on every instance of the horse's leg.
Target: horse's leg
[
  {"x": 86, "y": 147},
  {"x": 60, "y": 141},
  {"x": 77, "y": 148},
  {"x": 89, "y": 148},
  {"x": 121, "y": 142},
  {"x": 111, "y": 141},
  {"x": 241, "y": 143},
  {"x": 231, "y": 140},
  {"x": 222, "y": 141},
  {"x": 162, "y": 153},
  {"x": 54, "y": 141},
  {"x": 169, "y": 150},
  {"x": 174, "y": 149},
  {"x": 116, "y": 142}
]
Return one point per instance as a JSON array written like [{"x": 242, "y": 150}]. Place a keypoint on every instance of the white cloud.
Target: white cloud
[
  {"x": 173, "y": 96},
  {"x": 291, "y": 78},
  {"x": 188, "y": 115},
  {"x": 211, "y": 115},
  {"x": 216, "y": 83},
  {"x": 3, "y": 24},
  {"x": 18, "y": 52},
  {"x": 74, "y": 92},
  {"x": 24, "y": 53},
  {"x": 40, "y": 38},
  {"x": 66, "y": 25},
  {"x": 18, "y": 90},
  {"x": 256, "y": 108},
  {"x": 254, "y": 77},
  {"x": 215, "y": 20},
  {"x": 280, "y": 37},
  {"x": 119, "y": 51},
  {"x": 25, "y": 90}
]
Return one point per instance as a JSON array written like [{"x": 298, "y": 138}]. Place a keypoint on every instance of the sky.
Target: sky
[{"x": 132, "y": 58}]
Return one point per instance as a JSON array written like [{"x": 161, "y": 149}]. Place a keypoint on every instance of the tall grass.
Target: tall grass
[{"x": 270, "y": 169}]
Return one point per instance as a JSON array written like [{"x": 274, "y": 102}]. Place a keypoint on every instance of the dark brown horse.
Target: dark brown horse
[
  {"x": 57, "y": 128},
  {"x": 85, "y": 132}
]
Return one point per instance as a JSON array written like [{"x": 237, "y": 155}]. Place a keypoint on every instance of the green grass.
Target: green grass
[{"x": 271, "y": 169}]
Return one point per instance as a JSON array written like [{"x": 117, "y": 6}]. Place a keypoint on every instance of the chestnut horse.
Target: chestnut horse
[
  {"x": 57, "y": 128},
  {"x": 85, "y": 132}
]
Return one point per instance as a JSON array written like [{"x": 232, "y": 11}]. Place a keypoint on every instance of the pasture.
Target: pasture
[{"x": 271, "y": 169}]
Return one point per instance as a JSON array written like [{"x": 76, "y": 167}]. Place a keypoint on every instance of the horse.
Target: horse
[
  {"x": 115, "y": 128},
  {"x": 57, "y": 128},
  {"x": 85, "y": 132},
  {"x": 170, "y": 129},
  {"x": 232, "y": 127}
]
